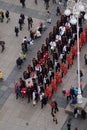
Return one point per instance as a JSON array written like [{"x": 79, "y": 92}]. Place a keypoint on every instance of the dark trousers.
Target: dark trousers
[{"x": 23, "y": 4}]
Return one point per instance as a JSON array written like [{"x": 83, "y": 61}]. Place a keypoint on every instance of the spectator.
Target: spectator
[
  {"x": 69, "y": 124},
  {"x": 22, "y": 17},
  {"x": 35, "y": 2},
  {"x": 2, "y": 43},
  {"x": 16, "y": 31},
  {"x": 19, "y": 62},
  {"x": 1, "y": 75},
  {"x": 54, "y": 106},
  {"x": 73, "y": 101},
  {"x": 58, "y": 11},
  {"x": 30, "y": 22},
  {"x": 83, "y": 114},
  {"x": 7, "y": 16},
  {"x": 20, "y": 23},
  {"x": 23, "y": 3},
  {"x": 1, "y": 16},
  {"x": 46, "y": 3},
  {"x": 85, "y": 58}
]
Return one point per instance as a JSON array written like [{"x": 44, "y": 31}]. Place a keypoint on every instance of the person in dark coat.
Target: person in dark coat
[
  {"x": 23, "y": 3},
  {"x": 30, "y": 22},
  {"x": 19, "y": 62},
  {"x": 32, "y": 35},
  {"x": 7, "y": 16},
  {"x": 69, "y": 124},
  {"x": 49, "y": 64},
  {"x": 58, "y": 11},
  {"x": 83, "y": 114},
  {"x": 16, "y": 31},
  {"x": 20, "y": 23},
  {"x": 23, "y": 17},
  {"x": 1, "y": 16},
  {"x": 55, "y": 56},
  {"x": 2, "y": 43}
]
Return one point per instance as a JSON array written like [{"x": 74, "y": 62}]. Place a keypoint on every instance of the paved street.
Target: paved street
[{"x": 18, "y": 114}]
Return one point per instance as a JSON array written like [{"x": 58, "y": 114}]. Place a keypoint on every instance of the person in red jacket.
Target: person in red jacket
[
  {"x": 74, "y": 51},
  {"x": 48, "y": 92},
  {"x": 83, "y": 38},
  {"x": 54, "y": 106},
  {"x": 64, "y": 69},
  {"x": 69, "y": 60},
  {"x": 54, "y": 85},
  {"x": 58, "y": 78}
]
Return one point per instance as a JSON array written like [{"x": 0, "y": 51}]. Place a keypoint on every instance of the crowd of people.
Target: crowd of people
[{"x": 53, "y": 60}]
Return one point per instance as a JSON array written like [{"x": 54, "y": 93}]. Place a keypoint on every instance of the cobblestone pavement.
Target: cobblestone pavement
[{"x": 18, "y": 114}]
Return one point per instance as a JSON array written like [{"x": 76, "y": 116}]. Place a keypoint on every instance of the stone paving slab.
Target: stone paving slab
[{"x": 16, "y": 114}]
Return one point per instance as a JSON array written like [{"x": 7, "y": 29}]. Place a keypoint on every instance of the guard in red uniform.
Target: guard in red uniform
[
  {"x": 54, "y": 85},
  {"x": 83, "y": 38},
  {"x": 69, "y": 60},
  {"x": 74, "y": 51},
  {"x": 58, "y": 78},
  {"x": 48, "y": 92},
  {"x": 64, "y": 69}
]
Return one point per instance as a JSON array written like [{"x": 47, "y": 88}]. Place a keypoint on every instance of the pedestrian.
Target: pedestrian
[
  {"x": 20, "y": 23},
  {"x": 43, "y": 100},
  {"x": 19, "y": 62},
  {"x": 16, "y": 31},
  {"x": 76, "y": 112},
  {"x": 85, "y": 58},
  {"x": 22, "y": 17},
  {"x": 1, "y": 16},
  {"x": 16, "y": 90},
  {"x": 54, "y": 115},
  {"x": 32, "y": 35},
  {"x": 54, "y": 106},
  {"x": 64, "y": 91},
  {"x": 7, "y": 16},
  {"x": 69, "y": 124},
  {"x": 58, "y": 11},
  {"x": 23, "y": 3},
  {"x": 1, "y": 75},
  {"x": 83, "y": 114},
  {"x": 48, "y": 17},
  {"x": 2, "y": 45},
  {"x": 35, "y": 2},
  {"x": 65, "y": 3},
  {"x": 30, "y": 22},
  {"x": 47, "y": 4}
]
